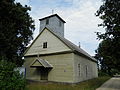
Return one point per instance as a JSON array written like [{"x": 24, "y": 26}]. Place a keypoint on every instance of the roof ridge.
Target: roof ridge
[
  {"x": 52, "y": 16},
  {"x": 73, "y": 46},
  {"x": 43, "y": 62}
]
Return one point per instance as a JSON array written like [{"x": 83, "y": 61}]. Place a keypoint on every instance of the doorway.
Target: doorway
[{"x": 44, "y": 74}]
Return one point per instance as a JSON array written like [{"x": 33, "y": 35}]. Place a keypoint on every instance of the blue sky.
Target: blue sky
[{"x": 81, "y": 22}]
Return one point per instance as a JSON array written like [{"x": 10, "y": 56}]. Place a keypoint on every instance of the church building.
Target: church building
[{"x": 51, "y": 57}]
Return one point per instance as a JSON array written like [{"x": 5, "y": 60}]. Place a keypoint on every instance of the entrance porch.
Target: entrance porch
[{"x": 42, "y": 67}]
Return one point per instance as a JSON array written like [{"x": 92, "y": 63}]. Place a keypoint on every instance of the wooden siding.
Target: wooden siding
[
  {"x": 54, "y": 44},
  {"x": 85, "y": 64},
  {"x": 62, "y": 70},
  {"x": 36, "y": 63},
  {"x": 53, "y": 25}
]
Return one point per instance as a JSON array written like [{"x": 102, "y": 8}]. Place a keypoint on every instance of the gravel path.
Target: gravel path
[{"x": 112, "y": 84}]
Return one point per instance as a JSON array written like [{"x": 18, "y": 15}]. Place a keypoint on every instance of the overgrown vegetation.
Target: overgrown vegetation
[
  {"x": 10, "y": 79},
  {"x": 108, "y": 52},
  {"x": 86, "y": 85}
]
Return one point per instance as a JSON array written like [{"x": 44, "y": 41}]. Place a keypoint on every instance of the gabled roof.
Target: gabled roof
[
  {"x": 76, "y": 48},
  {"x": 41, "y": 62},
  {"x": 72, "y": 46},
  {"x": 53, "y": 16}
]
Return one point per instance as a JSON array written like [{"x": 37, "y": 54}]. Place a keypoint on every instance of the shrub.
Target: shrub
[
  {"x": 101, "y": 73},
  {"x": 9, "y": 78}
]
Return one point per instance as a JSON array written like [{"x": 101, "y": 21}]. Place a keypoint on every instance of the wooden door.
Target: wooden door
[{"x": 44, "y": 74}]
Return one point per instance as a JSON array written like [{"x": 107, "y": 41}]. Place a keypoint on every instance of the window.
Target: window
[
  {"x": 45, "y": 45},
  {"x": 79, "y": 71},
  {"x": 86, "y": 67},
  {"x": 60, "y": 23},
  {"x": 47, "y": 21}
]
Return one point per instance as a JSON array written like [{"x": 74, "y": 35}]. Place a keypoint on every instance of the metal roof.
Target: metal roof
[
  {"x": 73, "y": 46},
  {"x": 53, "y": 16}
]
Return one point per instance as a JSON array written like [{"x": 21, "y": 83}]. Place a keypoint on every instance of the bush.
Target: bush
[
  {"x": 10, "y": 79},
  {"x": 101, "y": 73}
]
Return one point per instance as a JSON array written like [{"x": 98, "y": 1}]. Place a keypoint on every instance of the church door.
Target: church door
[{"x": 44, "y": 74}]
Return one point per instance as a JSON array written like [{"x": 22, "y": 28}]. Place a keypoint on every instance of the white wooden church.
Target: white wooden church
[{"x": 51, "y": 57}]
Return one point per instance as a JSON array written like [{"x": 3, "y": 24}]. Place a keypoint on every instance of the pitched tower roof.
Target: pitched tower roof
[{"x": 52, "y": 16}]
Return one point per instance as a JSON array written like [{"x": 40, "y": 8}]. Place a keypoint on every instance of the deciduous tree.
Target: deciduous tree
[
  {"x": 16, "y": 29},
  {"x": 108, "y": 52}
]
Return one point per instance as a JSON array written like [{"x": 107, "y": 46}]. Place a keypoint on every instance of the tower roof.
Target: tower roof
[{"x": 53, "y": 16}]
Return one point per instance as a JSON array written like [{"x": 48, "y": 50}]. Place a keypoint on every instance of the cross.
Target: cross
[{"x": 52, "y": 11}]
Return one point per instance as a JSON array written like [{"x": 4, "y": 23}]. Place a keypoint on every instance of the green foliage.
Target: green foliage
[
  {"x": 16, "y": 29},
  {"x": 101, "y": 74},
  {"x": 108, "y": 51},
  {"x": 109, "y": 12},
  {"x": 10, "y": 79}
]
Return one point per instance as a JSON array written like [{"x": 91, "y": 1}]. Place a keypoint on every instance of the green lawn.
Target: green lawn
[{"x": 86, "y": 85}]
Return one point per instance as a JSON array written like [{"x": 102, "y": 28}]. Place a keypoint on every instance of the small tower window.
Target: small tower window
[
  {"x": 60, "y": 23},
  {"x": 47, "y": 21},
  {"x": 45, "y": 45}
]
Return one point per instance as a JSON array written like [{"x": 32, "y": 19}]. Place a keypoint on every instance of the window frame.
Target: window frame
[
  {"x": 47, "y": 21},
  {"x": 79, "y": 69},
  {"x": 60, "y": 23},
  {"x": 45, "y": 45},
  {"x": 86, "y": 70}
]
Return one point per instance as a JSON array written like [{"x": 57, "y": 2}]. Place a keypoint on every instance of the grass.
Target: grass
[{"x": 86, "y": 85}]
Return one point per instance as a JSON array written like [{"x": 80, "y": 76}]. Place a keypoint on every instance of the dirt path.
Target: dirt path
[{"x": 112, "y": 84}]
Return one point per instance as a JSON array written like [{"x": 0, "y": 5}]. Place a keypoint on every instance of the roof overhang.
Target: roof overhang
[
  {"x": 74, "y": 49},
  {"x": 52, "y": 16},
  {"x": 41, "y": 63}
]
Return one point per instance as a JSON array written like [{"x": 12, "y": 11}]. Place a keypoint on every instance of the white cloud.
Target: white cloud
[
  {"x": 81, "y": 25},
  {"x": 81, "y": 22},
  {"x": 23, "y": 2}
]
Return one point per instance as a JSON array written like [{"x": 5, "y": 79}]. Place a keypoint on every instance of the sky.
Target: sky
[{"x": 81, "y": 22}]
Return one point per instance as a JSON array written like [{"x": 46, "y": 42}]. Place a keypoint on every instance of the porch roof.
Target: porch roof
[{"x": 41, "y": 63}]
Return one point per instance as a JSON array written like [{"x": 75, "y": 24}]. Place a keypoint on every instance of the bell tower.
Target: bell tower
[{"x": 54, "y": 23}]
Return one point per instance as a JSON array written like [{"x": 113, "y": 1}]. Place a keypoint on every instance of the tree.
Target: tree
[
  {"x": 108, "y": 52},
  {"x": 9, "y": 78},
  {"x": 16, "y": 29}
]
